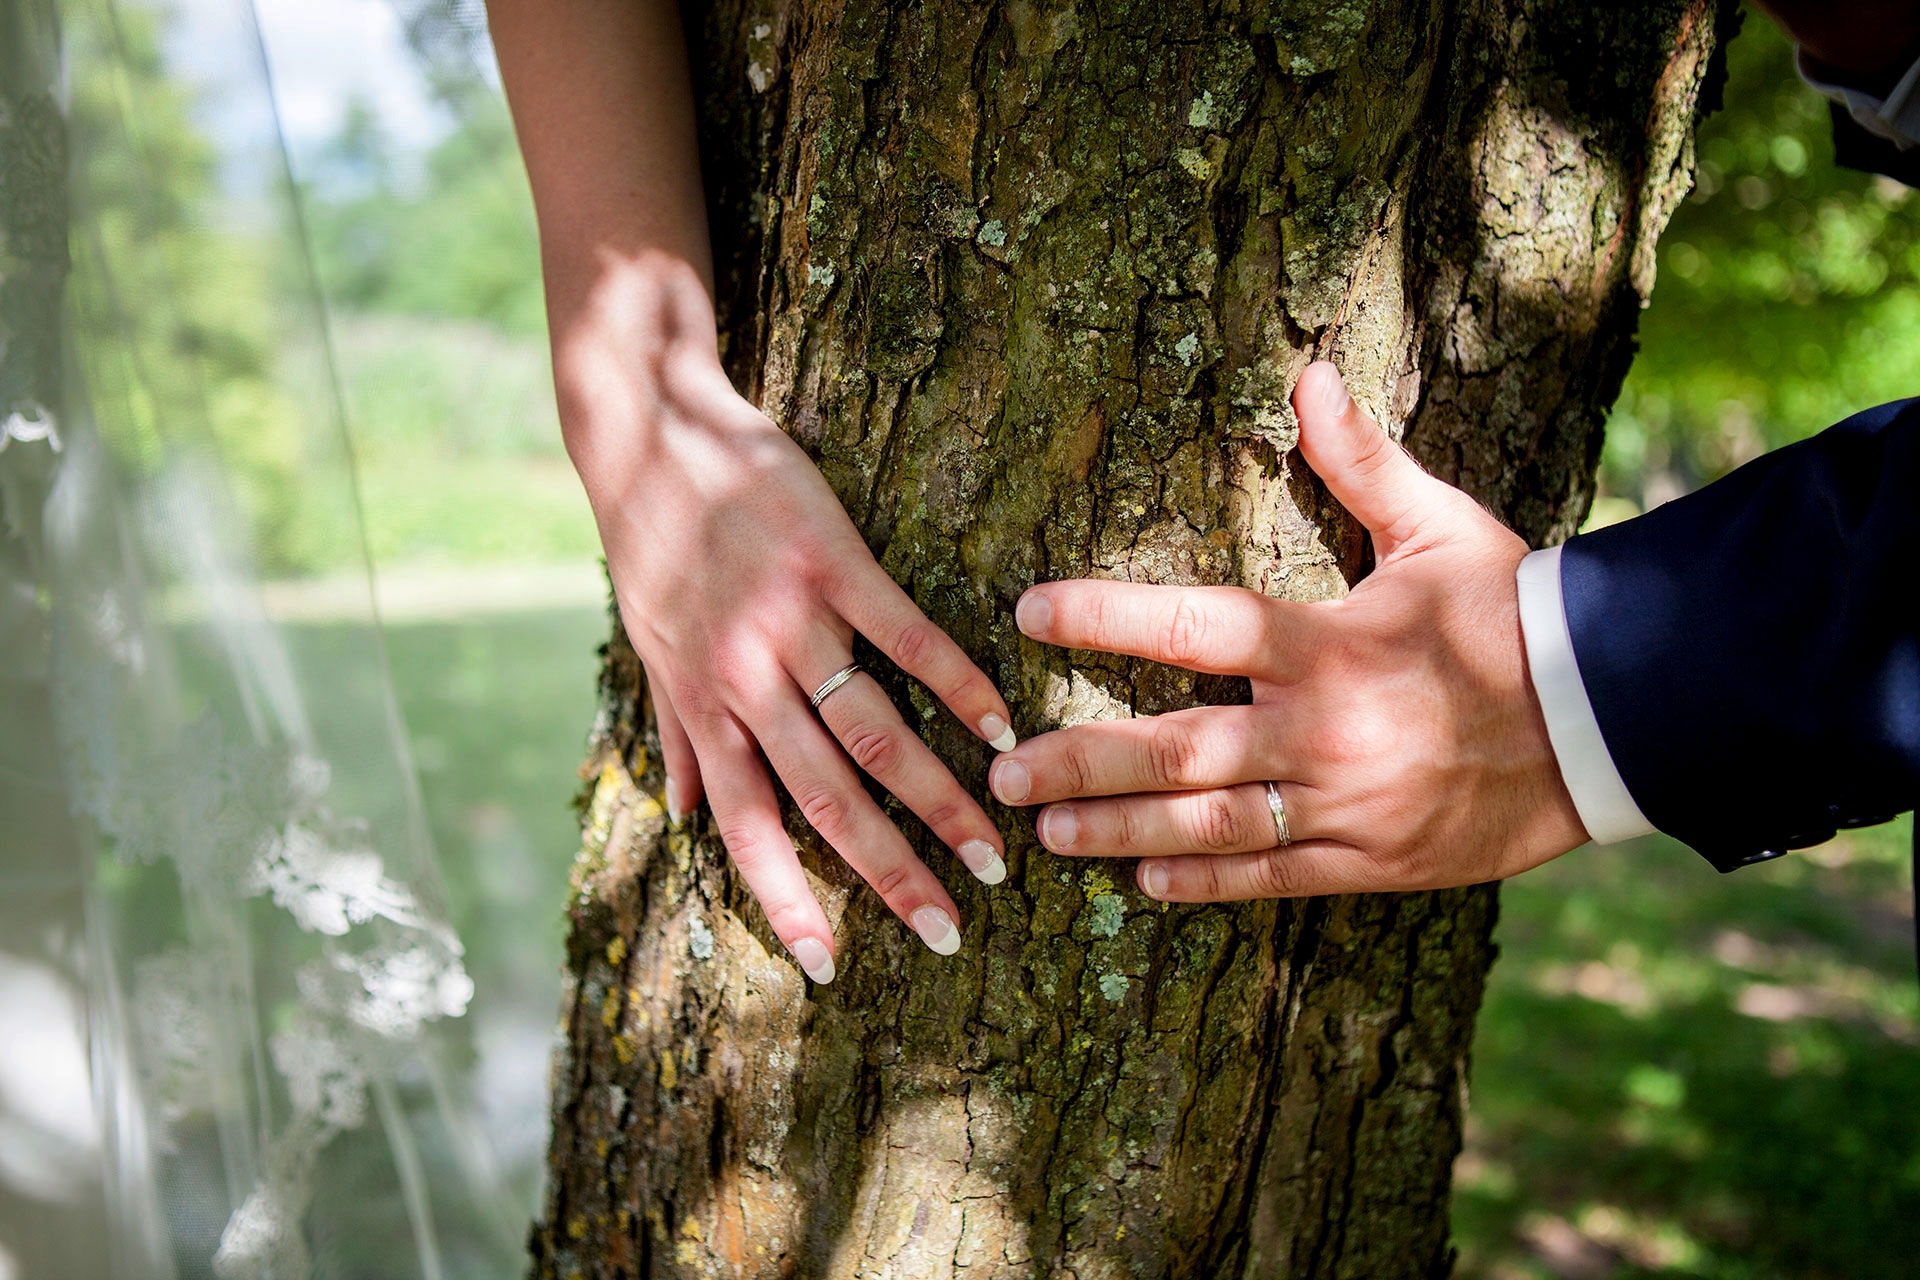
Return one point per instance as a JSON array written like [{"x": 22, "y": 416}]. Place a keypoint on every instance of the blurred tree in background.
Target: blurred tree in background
[
  {"x": 429, "y": 262},
  {"x": 191, "y": 311},
  {"x": 431, "y": 265},
  {"x": 447, "y": 235},
  {"x": 1789, "y": 293}
]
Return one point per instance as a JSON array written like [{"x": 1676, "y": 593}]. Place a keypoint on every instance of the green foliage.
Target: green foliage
[
  {"x": 198, "y": 330},
  {"x": 455, "y": 240},
  {"x": 175, "y": 322},
  {"x": 1788, "y": 298}
]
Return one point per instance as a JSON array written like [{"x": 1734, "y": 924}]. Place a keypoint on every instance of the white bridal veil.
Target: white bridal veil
[{"x": 229, "y": 989}]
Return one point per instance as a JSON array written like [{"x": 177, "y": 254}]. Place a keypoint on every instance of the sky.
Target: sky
[
  {"x": 325, "y": 54},
  {"x": 322, "y": 57}
]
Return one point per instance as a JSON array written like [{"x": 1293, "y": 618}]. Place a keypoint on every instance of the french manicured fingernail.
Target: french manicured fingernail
[
  {"x": 997, "y": 732},
  {"x": 936, "y": 929},
  {"x": 1153, "y": 880},
  {"x": 814, "y": 958},
  {"x": 1010, "y": 781},
  {"x": 674, "y": 812},
  {"x": 983, "y": 861},
  {"x": 1034, "y": 613},
  {"x": 1058, "y": 827}
]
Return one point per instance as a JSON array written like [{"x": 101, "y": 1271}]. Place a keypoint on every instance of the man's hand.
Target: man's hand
[{"x": 1399, "y": 723}]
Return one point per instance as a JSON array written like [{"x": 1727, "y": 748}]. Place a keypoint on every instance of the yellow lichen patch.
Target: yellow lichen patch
[
  {"x": 610, "y": 1010},
  {"x": 616, "y": 951},
  {"x": 1095, "y": 882},
  {"x": 623, "y": 1220},
  {"x": 688, "y": 1253},
  {"x": 669, "y": 1073},
  {"x": 690, "y": 1228},
  {"x": 600, "y": 1148},
  {"x": 624, "y": 1049},
  {"x": 577, "y": 1229},
  {"x": 601, "y": 809}
]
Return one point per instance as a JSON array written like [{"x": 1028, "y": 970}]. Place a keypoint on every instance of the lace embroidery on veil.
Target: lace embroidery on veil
[{"x": 286, "y": 960}]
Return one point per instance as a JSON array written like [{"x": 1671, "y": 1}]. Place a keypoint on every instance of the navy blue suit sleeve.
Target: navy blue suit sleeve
[
  {"x": 1855, "y": 148},
  {"x": 1751, "y": 650}
]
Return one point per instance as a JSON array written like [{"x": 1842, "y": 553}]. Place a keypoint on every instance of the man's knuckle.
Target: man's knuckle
[
  {"x": 1128, "y": 830},
  {"x": 1189, "y": 631},
  {"x": 1076, "y": 768},
  {"x": 1212, "y": 882},
  {"x": 1097, "y": 620},
  {"x": 1216, "y": 824},
  {"x": 1275, "y": 876},
  {"x": 1174, "y": 755}
]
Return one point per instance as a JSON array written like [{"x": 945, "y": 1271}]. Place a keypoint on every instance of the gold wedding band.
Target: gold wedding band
[
  {"x": 1279, "y": 807},
  {"x": 833, "y": 682}
]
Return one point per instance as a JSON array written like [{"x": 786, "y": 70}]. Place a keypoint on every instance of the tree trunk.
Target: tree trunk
[{"x": 1032, "y": 281}]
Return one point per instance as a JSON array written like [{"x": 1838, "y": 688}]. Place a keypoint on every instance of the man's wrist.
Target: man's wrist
[{"x": 1607, "y": 809}]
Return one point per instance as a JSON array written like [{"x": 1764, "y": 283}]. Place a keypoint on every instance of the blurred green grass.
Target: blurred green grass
[{"x": 1679, "y": 1073}]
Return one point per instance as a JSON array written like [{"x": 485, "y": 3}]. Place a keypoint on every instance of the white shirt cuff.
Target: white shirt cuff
[
  {"x": 1895, "y": 117},
  {"x": 1606, "y": 808}
]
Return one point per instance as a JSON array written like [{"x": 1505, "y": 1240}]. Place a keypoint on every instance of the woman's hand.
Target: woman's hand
[
  {"x": 741, "y": 583},
  {"x": 1399, "y": 723}
]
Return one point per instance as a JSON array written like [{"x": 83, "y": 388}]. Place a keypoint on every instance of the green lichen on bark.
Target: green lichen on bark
[{"x": 1032, "y": 282}]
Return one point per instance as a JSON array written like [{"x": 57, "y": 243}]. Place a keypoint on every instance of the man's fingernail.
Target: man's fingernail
[
  {"x": 997, "y": 732},
  {"x": 1337, "y": 399},
  {"x": 1058, "y": 827},
  {"x": 983, "y": 861},
  {"x": 1010, "y": 781},
  {"x": 674, "y": 812},
  {"x": 935, "y": 928},
  {"x": 814, "y": 958},
  {"x": 1153, "y": 880},
  {"x": 1034, "y": 613}
]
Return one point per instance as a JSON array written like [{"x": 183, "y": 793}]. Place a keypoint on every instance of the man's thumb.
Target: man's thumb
[{"x": 1372, "y": 476}]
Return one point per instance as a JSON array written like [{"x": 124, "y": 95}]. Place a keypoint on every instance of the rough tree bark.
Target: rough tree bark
[{"x": 1032, "y": 279}]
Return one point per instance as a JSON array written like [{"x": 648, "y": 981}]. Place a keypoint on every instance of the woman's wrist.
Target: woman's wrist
[{"x": 620, "y": 324}]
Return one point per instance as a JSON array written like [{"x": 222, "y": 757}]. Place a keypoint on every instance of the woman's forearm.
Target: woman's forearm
[{"x": 602, "y": 101}]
